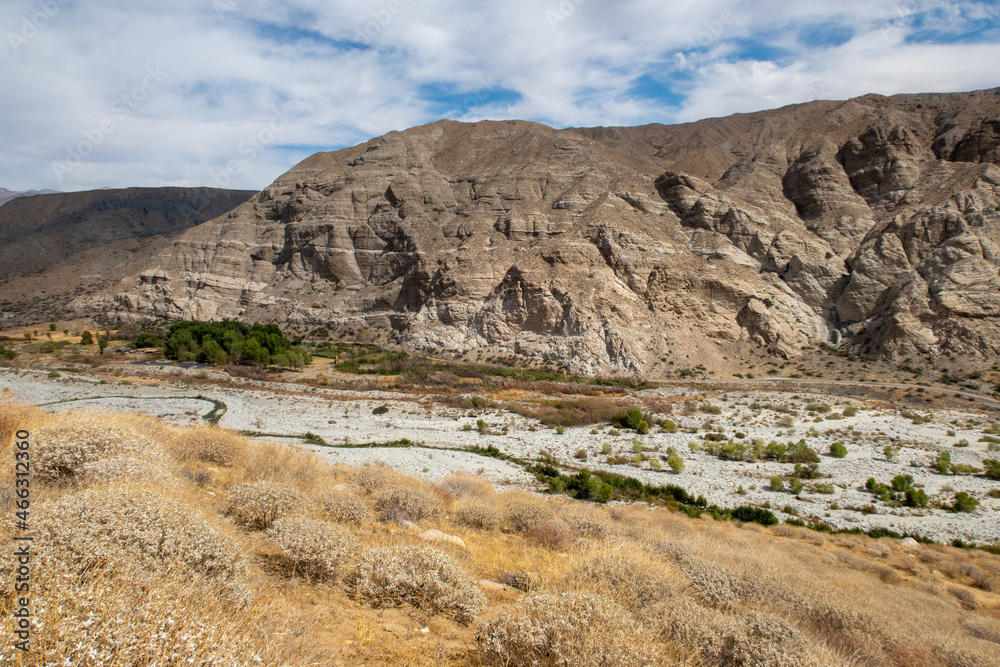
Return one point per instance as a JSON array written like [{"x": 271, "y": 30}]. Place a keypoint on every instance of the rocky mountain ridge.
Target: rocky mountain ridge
[{"x": 872, "y": 223}]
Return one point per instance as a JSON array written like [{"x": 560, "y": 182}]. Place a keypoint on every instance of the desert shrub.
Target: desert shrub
[
  {"x": 208, "y": 443},
  {"x": 423, "y": 577},
  {"x": 372, "y": 477},
  {"x": 257, "y": 505},
  {"x": 344, "y": 506},
  {"x": 523, "y": 515},
  {"x": 380, "y": 410},
  {"x": 406, "y": 504},
  {"x": 676, "y": 464},
  {"x": 991, "y": 468},
  {"x": 777, "y": 484},
  {"x": 125, "y": 468},
  {"x": 553, "y": 533},
  {"x": 65, "y": 446},
  {"x": 850, "y": 411},
  {"x": 623, "y": 575},
  {"x": 584, "y": 522},
  {"x": 838, "y": 450},
  {"x": 576, "y": 629},
  {"x": 99, "y": 527},
  {"x": 479, "y": 516},
  {"x": 464, "y": 485},
  {"x": 317, "y": 548},
  {"x": 879, "y": 550}
]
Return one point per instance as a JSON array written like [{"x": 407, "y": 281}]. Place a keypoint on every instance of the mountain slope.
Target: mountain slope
[
  {"x": 53, "y": 244},
  {"x": 873, "y": 222}
]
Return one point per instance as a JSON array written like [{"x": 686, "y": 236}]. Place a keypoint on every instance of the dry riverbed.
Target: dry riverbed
[{"x": 343, "y": 420}]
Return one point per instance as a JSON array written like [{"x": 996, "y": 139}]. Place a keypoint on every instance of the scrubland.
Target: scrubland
[{"x": 164, "y": 545}]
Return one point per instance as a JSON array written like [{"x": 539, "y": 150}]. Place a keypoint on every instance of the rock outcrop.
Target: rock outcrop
[{"x": 872, "y": 223}]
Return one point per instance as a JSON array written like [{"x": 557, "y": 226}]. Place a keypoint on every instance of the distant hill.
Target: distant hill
[{"x": 6, "y": 195}]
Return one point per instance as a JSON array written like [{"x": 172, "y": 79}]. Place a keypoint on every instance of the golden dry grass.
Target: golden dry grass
[{"x": 139, "y": 569}]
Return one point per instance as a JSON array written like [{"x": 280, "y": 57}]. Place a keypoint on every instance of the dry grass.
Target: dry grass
[{"x": 158, "y": 545}]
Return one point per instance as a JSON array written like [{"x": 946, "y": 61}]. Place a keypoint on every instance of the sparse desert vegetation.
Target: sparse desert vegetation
[{"x": 239, "y": 552}]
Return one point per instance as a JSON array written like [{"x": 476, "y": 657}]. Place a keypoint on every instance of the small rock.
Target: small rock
[
  {"x": 409, "y": 525},
  {"x": 488, "y": 585},
  {"x": 424, "y": 631},
  {"x": 435, "y": 535},
  {"x": 908, "y": 543}
]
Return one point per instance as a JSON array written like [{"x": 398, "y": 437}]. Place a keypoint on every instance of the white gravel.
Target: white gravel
[{"x": 346, "y": 417}]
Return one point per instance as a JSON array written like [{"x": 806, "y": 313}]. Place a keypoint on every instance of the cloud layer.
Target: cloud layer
[{"x": 232, "y": 93}]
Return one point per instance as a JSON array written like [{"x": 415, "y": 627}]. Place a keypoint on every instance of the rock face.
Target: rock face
[{"x": 872, "y": 223}]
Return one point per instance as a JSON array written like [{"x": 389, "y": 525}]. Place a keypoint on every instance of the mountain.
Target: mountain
[
  {"x": 57, "y": 246},
  {"x": 6, "y": 195},
  {"x": 872, "y": 223}
]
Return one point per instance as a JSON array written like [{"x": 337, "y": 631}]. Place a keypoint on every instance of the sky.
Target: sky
[{"x": 233, "y": 93}]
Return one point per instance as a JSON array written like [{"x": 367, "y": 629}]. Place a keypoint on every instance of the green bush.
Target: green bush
[
  {"x": 850, "y": 412},
  {"x": 992, "y": 467},
  {"x": 560, "y": 429},
  {"x": 964, "y": 502},
  {"x": 915, "y": 497},
  {"x": 633, "y": 419},
  {"x": 943, "y": 463},
  {"x": 380, "y": 410},
  {"x": 86, "y": 338},
  {"x": 838, "y": 450},
  {"x": 777, "y": 484},
  {"x": 795, "y": 485},
  {"x": 749, "y": 514},
  {"x": 676, "y": 464}
]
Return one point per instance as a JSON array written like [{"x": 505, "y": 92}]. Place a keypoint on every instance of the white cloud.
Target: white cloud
[{"x": 229, "y": 64}]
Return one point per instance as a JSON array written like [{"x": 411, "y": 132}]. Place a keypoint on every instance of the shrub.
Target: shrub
[
  {"x": 943, "y": 463},
  {"x": 372, "y": 477},
  {"x": 838, "y": 450},
  {"x": 479, "y": 516},
  {"x": 208, "y": 443},
  {"x": 795, "y": 485},
  {"x": 560, "y": 429},
  {"x": 466, "y": 485},
  {"x": 317, "y": 548},
  {"x": 344, "y": 506},
  {"x": 121, "y": 526},
  {"x": 257, "y": 505},
  {"x": 850, "y": 411},
  {"x": 523, "y": 515},
  {"x": 964, "y": 502},
  {"x": 406, "y": 504},
  {"x": 785, "y": 422},
  {"x": 668, "y": 426},
  {"x": 580, "y": 455},
  {"x": 676, "y": 464},
  {"x": 578, "y": 629},
  {"x": 606, "y": 449},
  {"x": 585, "y": 522},
  {"x": 992, "y": 468},
  {"x": 749, "y": 514},
  {"x": 623, "y": 575},
  {"x": 125, "y": 469},
  {"x": 710, "y": 409},
  {"x": 77, "y": 439},
  {"x": 777, "y": 484},
  {"x": 553, "y": 533},
  {"x": 423, "y": 577},
  {"x": 380, "y": 410}
]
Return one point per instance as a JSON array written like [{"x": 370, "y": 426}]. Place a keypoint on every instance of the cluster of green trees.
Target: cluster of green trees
[{"x": 230, "y": 342}]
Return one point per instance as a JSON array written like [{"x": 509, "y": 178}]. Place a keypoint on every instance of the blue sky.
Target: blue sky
[{"x": 232, "y": 93}]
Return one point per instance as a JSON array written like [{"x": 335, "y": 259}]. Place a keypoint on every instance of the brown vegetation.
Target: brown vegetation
[{"x": 241, "y": 553}]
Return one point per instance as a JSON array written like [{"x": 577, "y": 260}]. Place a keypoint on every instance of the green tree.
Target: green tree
[{"x": 102, "y": 343}]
